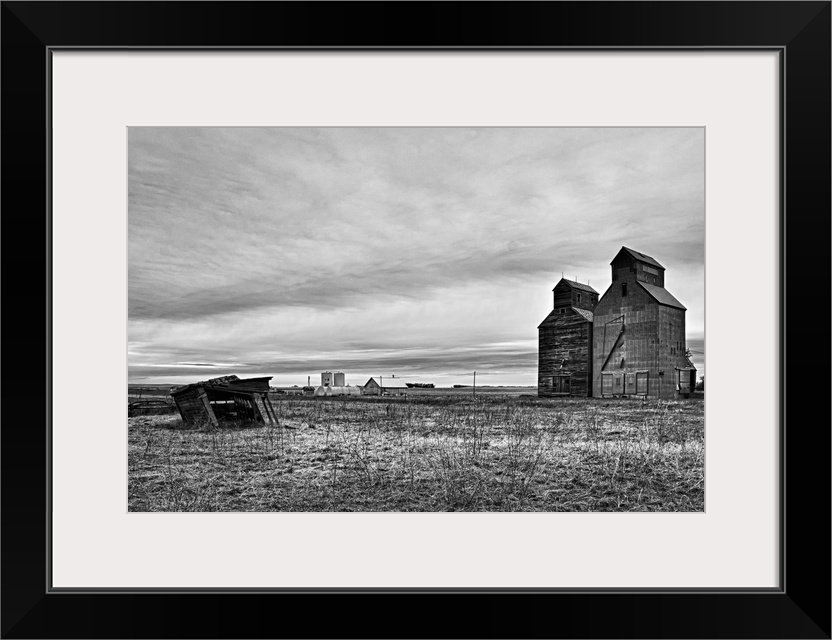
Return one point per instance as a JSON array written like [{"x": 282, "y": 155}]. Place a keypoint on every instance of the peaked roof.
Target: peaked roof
[
  {"x": 641, "y": 257},
  {"x": 661, "y": 295},
  {"x": 401, "y": 384},
  {"x": 575, "y": 285}
]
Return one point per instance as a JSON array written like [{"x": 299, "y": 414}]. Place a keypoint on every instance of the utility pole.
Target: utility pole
[{"x": 475, "y": 383}]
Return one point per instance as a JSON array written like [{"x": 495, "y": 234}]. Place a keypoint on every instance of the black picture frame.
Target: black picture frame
[{"x": 799, "y": 31}]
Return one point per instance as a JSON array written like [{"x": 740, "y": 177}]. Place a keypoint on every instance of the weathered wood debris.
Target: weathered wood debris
[{"x": 225, "y": 399}]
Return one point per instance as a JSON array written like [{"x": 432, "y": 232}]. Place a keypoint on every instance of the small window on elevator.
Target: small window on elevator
[{"x": 623, "y": 289}]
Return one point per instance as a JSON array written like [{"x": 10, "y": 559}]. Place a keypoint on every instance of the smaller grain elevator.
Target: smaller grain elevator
[{"x": 564, "y": 365}]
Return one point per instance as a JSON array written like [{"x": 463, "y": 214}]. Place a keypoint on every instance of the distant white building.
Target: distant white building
[{"x": 337, "y": 391}]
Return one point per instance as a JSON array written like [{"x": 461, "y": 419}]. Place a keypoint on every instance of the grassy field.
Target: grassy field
[{"x": 427, "y": 453}]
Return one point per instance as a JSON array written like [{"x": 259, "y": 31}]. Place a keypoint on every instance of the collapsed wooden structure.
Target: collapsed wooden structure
[{"x": 225, "y": 399}]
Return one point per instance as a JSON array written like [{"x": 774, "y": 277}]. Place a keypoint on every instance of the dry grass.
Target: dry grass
[{"x": 428, "y": 454}]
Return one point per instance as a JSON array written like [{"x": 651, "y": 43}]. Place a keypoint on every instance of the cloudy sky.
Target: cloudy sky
[{"x": 424, "y": 253}]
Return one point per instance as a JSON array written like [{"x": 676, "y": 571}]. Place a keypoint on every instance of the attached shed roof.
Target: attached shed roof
[
  {"x": 229, "y": 383},
  {"x": 642, "y": 257},
  {"x": 661, "y": 295},
  {"x": 575, "y": 285},
  {"x": 587, "y": 315},
  {"x": 554, "y": 315}
]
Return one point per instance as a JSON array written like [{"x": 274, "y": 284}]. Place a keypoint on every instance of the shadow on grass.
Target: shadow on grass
[{"x": 175, "y": 423}]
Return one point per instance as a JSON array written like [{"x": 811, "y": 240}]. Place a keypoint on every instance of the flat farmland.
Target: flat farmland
[
  {"x": 148, "y": 391},
  {"x": 430, "y": 451},
  {"x": 469, "y": 391}
]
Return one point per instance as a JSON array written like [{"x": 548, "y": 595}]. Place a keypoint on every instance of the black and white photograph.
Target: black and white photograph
[
  {"x": 414, "y": 311},
  {"x": 416, "y": 319}
]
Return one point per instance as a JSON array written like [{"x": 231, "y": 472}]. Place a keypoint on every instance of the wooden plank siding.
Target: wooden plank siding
[
  {"x": 652, "y": 341},
  {"x": 624, "y": 339},
  {"x": 194, "y": 407},
  {"x": 224, "y": 399},
  {"x": 671, "y": 348},
  {"x": 574, "y": 294},
  {"x": 264, "y": 407},
  {"x": 565, "y": 342},
  {"x": 565, "y": 348}
]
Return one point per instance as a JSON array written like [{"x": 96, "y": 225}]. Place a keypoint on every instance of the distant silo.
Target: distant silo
[
  {"x": 326, "y": 379},
  {"x": 339, "y": 380}
]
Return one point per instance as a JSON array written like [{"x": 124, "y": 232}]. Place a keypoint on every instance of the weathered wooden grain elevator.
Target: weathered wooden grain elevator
[
  {"x": 638, "y": 345},
  {"x": 564, "y": 366}
]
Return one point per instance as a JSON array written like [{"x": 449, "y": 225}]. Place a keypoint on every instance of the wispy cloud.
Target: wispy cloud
[{"x": 285, "y": 251}]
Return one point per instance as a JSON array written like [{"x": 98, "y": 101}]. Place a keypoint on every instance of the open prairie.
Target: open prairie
[{"x": 431, "y": 453}]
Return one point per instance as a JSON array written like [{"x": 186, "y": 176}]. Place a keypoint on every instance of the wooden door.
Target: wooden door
[
  {"x": 562, "y": 385},
  {"x": 606, "y": 384},
  {"x": 641, "y": 383}
]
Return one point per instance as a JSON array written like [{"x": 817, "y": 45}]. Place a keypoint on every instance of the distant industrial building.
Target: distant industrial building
[
  {"x": 334, "y": 384},
  {"x": 330, "y": 379}
]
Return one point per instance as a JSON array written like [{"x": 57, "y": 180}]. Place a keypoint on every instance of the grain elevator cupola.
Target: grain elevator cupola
[
  {"x": 571, "y": 293},
  {"x": 631, "y": 264}
]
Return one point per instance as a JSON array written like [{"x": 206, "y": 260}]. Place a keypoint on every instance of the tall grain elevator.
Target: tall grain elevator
[{"x": 638, "y": 345}]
